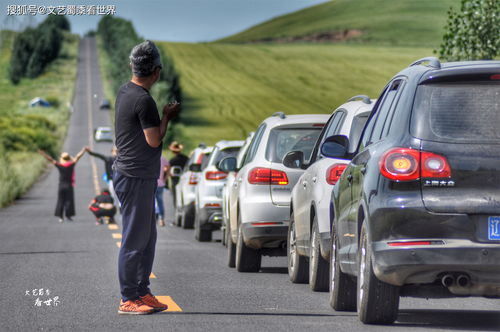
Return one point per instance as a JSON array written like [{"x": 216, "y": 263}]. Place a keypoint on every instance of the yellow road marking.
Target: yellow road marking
[
  {"x": 90, "y": 123},
  {"x": 172, "y": 306},
  {"x": 119, "y": 244},
  {"x": 116, "y": 235},
  {"x": 113, "y": 227},
  {"x": 152, "y": 275}
]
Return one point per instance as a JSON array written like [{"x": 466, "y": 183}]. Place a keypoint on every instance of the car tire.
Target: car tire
[
  {"x": 177, "y": 218},
  {"x": 342, "y": 286},
  {"x": 231, "y": 249},
  {"x": 202, "y": 235},
  {"x": 298, "y": 268},
  {"x": 247, "y": 259},
  {"x": 377, "y": 301},
  {"x": 188, "y": 217},
  {"x": 318, "y": 266}
]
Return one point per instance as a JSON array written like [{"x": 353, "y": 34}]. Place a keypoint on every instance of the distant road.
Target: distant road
[{"x": 77, "y": 262}]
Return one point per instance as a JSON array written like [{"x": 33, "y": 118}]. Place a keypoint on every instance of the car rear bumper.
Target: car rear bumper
[
  {"x": 210, "y": 217},
  {"x": 428, "y": 264},
  {"x": 261, "y": 235}
]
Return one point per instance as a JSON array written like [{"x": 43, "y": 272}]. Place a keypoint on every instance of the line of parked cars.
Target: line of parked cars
[{"x": 387, "y": 197}]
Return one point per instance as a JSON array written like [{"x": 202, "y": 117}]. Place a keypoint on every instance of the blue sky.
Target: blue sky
[{"x": 171, "y": 20}]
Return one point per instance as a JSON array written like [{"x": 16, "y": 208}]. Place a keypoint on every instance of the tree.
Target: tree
[{"x": 473, "y": 33}]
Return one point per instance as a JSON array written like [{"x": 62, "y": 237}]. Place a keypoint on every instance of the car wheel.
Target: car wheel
[
  {"x": 377, "y": 301},
  {"x": 188, "y": 217},
  {"x": 297, "y": 264},
  {"x": 231, "y": 249},
  {"x": 177, "y": 218},
  {"x": 318, "y": 266},
  {"x": 247, "y": 259},
  {"x": 202, "y": 235},
  {"x": 342, "y": 286}
]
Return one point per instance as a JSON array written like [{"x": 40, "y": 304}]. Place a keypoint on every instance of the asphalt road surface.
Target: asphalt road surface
[{"x": 76, "y": 263}]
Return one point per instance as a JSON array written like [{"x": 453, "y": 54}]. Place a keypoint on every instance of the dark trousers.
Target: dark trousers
[
  {"x": 65, "y": 201},
  {"x": 137, "y": 251}
]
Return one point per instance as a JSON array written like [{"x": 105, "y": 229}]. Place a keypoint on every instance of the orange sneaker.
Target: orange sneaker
[
  {"x": 152, "y": 301},
  {"x": 135, "y": 307}
]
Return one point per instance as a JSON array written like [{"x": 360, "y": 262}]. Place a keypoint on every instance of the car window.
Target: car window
[
  {"x": 205, "y": 159},
  {"x": 383, "y": 112},
  {"x": 331, "y": 128},
  {"x": 358, "y": 123},
  {"x": 283, "y": 140},
  {"x": 457, "y": 112},
  {"x": 228, "y": 152},
  {"x": 252, "y": 149}
]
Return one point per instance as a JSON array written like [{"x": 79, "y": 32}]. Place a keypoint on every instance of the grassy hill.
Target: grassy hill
[
  {"x": 384, "y": 22},
  {"x": 18, "y": 170},
  {"x": 229, "y": 89}
]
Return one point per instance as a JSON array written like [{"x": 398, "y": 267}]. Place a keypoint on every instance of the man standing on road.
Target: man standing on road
[{"x": 139, "y": 134}]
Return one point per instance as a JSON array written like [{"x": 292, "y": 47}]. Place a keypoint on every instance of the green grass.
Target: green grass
[
  {"x": 229, "y": 89},
  {"x": 384, "y": 22},
  {"x": 19, "y": 170}
]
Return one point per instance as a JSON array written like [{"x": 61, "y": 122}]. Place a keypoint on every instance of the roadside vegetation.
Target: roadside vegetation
[{"x": 24, "y": 129}]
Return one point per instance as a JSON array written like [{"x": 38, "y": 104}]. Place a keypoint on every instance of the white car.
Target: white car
[
  {"x": 103, "y": 134},
  {"x": 260, "y": 196},
  {"x": 208, "y": 201},
  {"x": 231, "y": 176},
  {"x": 309, "y": 227},
  {"x": 185, "y": 190}
]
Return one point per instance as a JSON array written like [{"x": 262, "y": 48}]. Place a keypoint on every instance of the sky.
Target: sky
[{"x": 169, "y": 20}]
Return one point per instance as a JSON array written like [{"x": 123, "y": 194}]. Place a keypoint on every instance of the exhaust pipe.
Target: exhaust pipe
[
  {"x": 448, "y": 280},
  {"x": 463, "y": 280}
]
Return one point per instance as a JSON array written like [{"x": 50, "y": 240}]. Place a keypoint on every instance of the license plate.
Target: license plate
[{"x": 494, "y": 228}]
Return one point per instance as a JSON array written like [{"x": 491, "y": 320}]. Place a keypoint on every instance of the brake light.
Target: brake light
[
  {"x": 334, "y": 172},
  {"x": 409, "y": 243},
  {"x": 212, "y": 205},
  {"x": 260, "y": 175},
  {"x": 215, "y": 175},
  {"x": 403, "y": 164},
  {"x": 495, "y": 77},
  {"x": 193, "y": 179}
]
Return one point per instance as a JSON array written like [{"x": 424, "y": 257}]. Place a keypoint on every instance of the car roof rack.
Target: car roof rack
[
  {"x": 202, "y": 145},
  {"x": 431, "y": 62},
  {"x": 365, "y": 99},
  {"x": 280, "y": 114}
]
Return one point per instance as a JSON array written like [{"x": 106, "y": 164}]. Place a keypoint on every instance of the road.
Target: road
[{"x": 77, "y": 262}]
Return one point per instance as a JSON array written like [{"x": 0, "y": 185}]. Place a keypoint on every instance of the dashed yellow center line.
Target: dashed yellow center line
[
  {"x": 152, "y": 276},
  {"x": 116, "y": 235},
  {"x": 172, "y": 306},
  {"x": 113, "y": 227}
]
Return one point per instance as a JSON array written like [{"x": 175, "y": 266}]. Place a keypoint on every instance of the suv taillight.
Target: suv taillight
[
  {"x": 403, "y": 164},
  {"x": 260, "y": 175},
  {"x": 215, "y": 175},
  {"x": 334, "y": 172},
  {"x": 193, "y": 179}
]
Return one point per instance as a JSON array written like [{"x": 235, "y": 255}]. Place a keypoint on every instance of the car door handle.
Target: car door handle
[
  {"x": 349, "y": 177},
  {"x": 315, "y": 179},
  {"x": 363, "y": 170}
]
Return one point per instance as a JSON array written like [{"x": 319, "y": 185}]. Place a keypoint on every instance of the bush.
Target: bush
[{"x": 473, "y": 33}]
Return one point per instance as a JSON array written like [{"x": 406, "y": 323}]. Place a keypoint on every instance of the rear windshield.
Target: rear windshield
[
  {"x": 205, "y": 159},
  {"x": 229, "y": 152},
  {"x": 453, "y": 112},
  {"x": 284, "y": 140}
]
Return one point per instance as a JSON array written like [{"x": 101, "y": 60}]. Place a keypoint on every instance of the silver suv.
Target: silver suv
[
  {"x": 309, "y": 228},
  {"x": 185, "y": 190},
  {"x": 208, "y": 198},
  {"x": 260, "y": 197}
]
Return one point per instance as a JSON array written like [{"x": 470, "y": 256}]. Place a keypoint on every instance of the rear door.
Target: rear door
[{"x": 460, "y": 121}]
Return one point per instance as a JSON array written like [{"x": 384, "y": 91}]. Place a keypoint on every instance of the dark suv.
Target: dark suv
[{"x": 417, "y": 211}]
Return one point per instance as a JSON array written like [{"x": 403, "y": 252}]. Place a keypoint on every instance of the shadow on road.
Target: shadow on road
[
  {"x": 294, "y": 314},
  {"x": 450, "y": 319},
  {"x": 278, "y": 270}
]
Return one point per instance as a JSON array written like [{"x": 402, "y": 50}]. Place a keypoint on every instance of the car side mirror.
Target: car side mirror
[
  {"x": 227, "y": 165},
  {"x": 335, "y": 147},
  {"x": 195, "y": 167},
  {"x": 175, "y": 171},
  {"x": 294, "y": 159}
]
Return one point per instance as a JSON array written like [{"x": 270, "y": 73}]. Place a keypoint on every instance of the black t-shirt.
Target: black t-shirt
[
  {"x": 179, "y": 160},
  {"x": 135, "y": 111},
  {"x": 103, "y": 198},
  {"x": 66, "y": 173}
]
